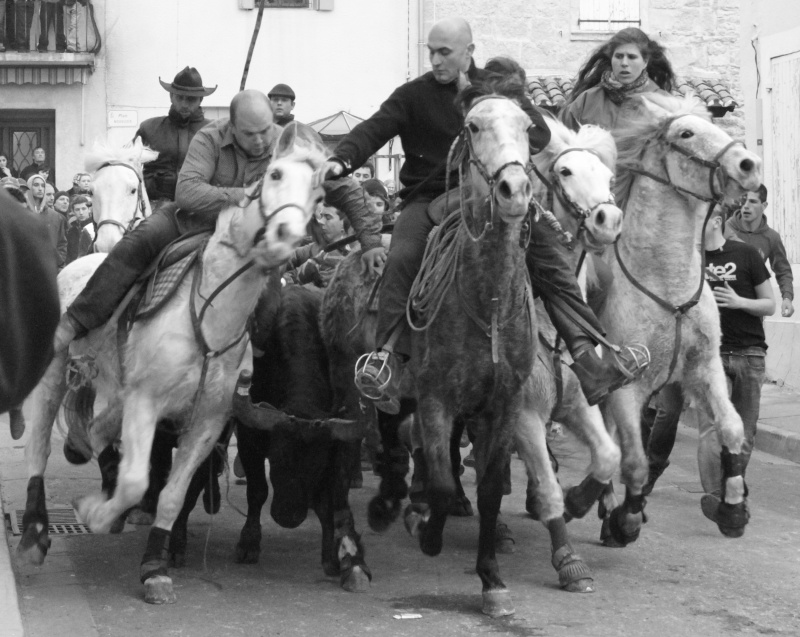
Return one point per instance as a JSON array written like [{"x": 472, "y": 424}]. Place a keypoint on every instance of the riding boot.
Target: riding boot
[{"x": 598, "y": 377}]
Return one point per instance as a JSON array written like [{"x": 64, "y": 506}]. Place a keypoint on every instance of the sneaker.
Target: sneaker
[
  {"x": 377, "y": 376},
  {"x": 600, "y": 377}
]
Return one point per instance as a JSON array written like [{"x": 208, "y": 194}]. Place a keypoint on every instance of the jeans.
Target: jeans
[
  {"x": 745, "y": 370},
  {"x": 23, "y": 20},
  {"x": 660, "y": 424},
  {"x": 52, "y": 13}
]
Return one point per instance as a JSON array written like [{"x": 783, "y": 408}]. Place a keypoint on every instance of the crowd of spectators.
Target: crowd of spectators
[{"x": 66, "y": 213}]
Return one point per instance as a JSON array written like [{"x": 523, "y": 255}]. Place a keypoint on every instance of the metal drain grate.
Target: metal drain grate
[{"x": 61, "y": 522}]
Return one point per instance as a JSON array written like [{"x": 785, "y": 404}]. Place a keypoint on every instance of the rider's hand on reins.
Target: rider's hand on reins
[
  {"x": 374, "y": 260},
  {"x": 330, "y": 170}
]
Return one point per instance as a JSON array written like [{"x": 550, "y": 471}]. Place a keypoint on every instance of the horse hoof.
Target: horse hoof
[
  {"x": 497, "y": 603},
  {"x": 429, "y": 543},
  {"x": 381, "y": 513},
  {"x": 247, "y": 555},
  {"x": 625, "y": 527},
  {"x": 158, "y": 590},
  {"x": 607, "y": 539},
  {"x": 574, "y": 507},
  {"x": 574, "y": 575},
  {"x": 729, "y": 518},
  {"x": 461, "y": 508},
  {"x": 33, "y": 546},
  {"x": 356, "y": 581},
  {"x": 74, "y": 456},
  {"x": 118, "y": 525},
  {"x": 503, "y": 540},
  {"x": 140, "y": 517}
]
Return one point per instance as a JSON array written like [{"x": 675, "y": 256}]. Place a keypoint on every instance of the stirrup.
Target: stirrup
[
  {"x": 373, "y": 375},
  {"x": 640, "y": 356}
]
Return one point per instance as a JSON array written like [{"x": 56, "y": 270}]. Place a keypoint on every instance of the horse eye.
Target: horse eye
[
  {"x": 133, "y": 191},
  {"x": 473, "y": 127},
  {"x": 687, "y": 134},
  {"x": 565, "y": 172},
  {"x": 275, "y": 175}
]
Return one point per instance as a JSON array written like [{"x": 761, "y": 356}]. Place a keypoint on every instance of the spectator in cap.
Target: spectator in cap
[
  {"x": 61, "y": 202},
  {"x": 81, "y": 185},
  {"x": 172, "y": 134},
  {"x": 282, "y": 98}
]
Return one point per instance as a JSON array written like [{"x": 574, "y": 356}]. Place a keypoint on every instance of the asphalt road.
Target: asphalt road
[{"x": 682, "y": 577}]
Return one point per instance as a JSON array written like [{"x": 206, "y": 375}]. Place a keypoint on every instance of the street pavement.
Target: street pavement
[{"x": 681, "y": 578}]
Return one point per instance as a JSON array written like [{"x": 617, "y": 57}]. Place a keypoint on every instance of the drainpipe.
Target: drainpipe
[{"x": 420, "y": 37}]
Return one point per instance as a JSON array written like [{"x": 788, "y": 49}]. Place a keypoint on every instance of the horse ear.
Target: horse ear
[{"x": 286, "y": 141}]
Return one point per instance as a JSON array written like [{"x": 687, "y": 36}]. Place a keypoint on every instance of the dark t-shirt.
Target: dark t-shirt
[{"x": 740, "y": 265}]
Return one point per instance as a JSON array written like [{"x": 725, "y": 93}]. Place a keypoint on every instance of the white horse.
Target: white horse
[
  {"x": 184, "y": 361},
  {"x": 679, "y": 164},
  {"x": 119, "y": 198},
  {"x": 575, "y": 181}
]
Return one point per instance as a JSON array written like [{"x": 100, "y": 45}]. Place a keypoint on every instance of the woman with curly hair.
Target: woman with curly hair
[{"x": 630, "y": 63}]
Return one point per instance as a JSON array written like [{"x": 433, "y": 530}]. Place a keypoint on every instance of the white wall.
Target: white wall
[{"x": 350, "y": 58}]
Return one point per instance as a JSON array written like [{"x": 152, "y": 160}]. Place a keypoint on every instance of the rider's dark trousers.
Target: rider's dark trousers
[
  {"x": 123, "y": 266},
  {"x": 552, "y": 277},
  {"x": 405, "y": 258}
]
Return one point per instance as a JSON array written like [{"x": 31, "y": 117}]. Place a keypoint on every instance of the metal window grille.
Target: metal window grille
[{"x": 608, "y": 15}]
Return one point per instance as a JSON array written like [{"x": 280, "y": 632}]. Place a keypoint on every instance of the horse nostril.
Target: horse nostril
[
  {"x": 601, "y": 218},
  {"x": 505, "y": 191},
  {"x": 747, "y": 165},
  {"x": 282, "y": 232}
]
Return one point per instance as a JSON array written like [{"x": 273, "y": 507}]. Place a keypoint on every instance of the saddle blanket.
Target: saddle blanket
[{"x": 162, "y": 284}]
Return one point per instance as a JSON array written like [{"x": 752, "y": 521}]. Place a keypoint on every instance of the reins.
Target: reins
[
  {"x": 679, "y": 311},
  {"x": 139, "y": 207}
]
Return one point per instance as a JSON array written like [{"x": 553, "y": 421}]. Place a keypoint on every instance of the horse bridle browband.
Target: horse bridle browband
[{"x": 140, "y": 206}]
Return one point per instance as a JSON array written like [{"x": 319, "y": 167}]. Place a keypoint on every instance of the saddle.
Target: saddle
[{"x": 158, "y": 283}]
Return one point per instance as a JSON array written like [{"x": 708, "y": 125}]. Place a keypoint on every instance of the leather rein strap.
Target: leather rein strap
[{"x": 679, "y": 311}]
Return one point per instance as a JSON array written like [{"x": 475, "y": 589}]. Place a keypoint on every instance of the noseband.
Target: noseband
[
  {"x": 139, "y": 207},
  {"x": 469, "y": 158}
]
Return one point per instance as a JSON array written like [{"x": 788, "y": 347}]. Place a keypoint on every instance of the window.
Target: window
[
  {"x": 608, "y": 15},
  {"x": 285, "y": 3},
  {"x": 21, "y": 131}
]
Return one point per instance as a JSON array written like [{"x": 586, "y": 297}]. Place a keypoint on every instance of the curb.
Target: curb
[
  {"x": 778, "y": 442},
  {"x": 9, "y": 602}
]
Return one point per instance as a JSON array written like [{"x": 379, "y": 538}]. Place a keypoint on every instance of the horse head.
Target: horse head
[
  {"x": 119, "y": 200},
  {"x": 495, "y": 138},
  {"x": 578, "y": 171},
  {"x": 676, "y": 142},
  {"x": 273, "y": 217}
]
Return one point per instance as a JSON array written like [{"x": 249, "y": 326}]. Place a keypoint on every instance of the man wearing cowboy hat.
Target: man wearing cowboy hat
[
  {"x": 171, "y": 135},
  {"x": 282, "y": 99}
]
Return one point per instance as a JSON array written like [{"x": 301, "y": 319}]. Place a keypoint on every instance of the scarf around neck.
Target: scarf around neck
[{"x": 617, "y": 91}]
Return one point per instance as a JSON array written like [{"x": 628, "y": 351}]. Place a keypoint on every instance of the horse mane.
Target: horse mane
[
  {"x": 134, "y": 153},
  {"x": 588, "y": 137},
  {"x": 493, "y": 84},
  {"x": 655, "y": 112}
]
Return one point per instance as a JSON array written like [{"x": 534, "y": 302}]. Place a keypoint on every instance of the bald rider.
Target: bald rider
[
  {"x": 222, "y": 160},
  {"x": 423, "y": 113}
]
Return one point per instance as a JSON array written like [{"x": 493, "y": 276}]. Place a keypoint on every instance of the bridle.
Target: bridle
[
  {"x": 714, "y": 166},
  {"x": 262, "y": 210},
  {"x": 555, "y": 189},
  {"x": 467, "y": 157},
  {"x": 140, "y": 207}
]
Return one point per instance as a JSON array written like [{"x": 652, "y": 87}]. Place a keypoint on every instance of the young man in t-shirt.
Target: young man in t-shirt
[
  {"x": 740, "y": 282},
  {"x": 750, "y": 225}
]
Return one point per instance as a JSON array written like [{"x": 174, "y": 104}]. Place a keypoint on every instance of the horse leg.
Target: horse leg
[
  {"x": 720, "y": 452},
  {"x": 179, "y": 535},
  {"x": 587, "y": 424},
  {"x": 253, "y": 449},
  {"x": 461, "y": 506},
  {"x": 573, "y": 573},
  {"x": 436, "y": 429},
  {"x": 138, "y": 427},
  {"x": 195, "y": 446},
  {"x": 46, "y": 401},
  {"x": 160, "y": 465},
  {"x": 497, "y": 600},
  {"x": 322, "y": 502},
  {"x": 625, "y": 522},
  {"x": 392, "y": 466}
]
